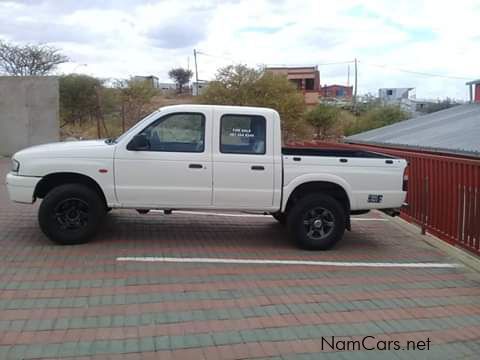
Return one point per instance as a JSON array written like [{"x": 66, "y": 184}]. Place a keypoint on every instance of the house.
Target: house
[
  {"x": 151, "y": 80},
  {"x": 395, "y": 95},
  {"x": 305, "y": 78},
  {"x": 337, "y": 91},
  {"x": 443, "y": 151},
  {"x": 471, "y": 85},
  {"x": 406, "y": 99},
  {"x": 402, "y": 97}
]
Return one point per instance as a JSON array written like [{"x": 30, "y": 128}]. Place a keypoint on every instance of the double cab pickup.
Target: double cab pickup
[{"x": 204, "y": 157}]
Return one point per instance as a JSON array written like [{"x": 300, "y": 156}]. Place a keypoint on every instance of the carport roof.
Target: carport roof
[{"x": 455, "y": 130}]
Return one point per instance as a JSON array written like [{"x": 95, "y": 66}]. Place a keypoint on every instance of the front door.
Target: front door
[{"x": 174, "y": 170}]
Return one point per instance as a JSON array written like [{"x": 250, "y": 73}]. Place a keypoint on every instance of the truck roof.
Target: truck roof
[{"x": 191, "y": 107}]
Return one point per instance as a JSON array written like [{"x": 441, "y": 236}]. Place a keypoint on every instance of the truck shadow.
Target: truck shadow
[
  {"x": 125, "y": 229},
  {"x": 180, "y": 231}
]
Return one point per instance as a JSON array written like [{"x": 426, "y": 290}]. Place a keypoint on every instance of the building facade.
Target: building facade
[
  {"x": 337, "y": 91},
  {"x": 403, "y": 97},
  {"x": 474, "y": 90},
  {"x": 151, "y": 80},
  {"x": 305, "y": 78}
]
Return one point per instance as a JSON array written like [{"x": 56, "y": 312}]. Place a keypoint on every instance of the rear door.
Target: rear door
[{"x": 243, "y": 161}]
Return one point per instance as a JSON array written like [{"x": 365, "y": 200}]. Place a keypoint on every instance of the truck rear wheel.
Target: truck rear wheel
[
  {"x": 317, "y": 222},
  {"x": 71, "y": 214}
]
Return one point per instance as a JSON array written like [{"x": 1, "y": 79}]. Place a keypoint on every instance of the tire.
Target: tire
[
  {"x": 280, "y": 217},
  {"x": 70, "y": 214},
  {"x": 317, "y": 222}
]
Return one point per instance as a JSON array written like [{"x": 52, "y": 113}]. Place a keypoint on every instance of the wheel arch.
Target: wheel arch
[
  {"x": 328, "y": 187},
  {"x": 50, "y": 181}
]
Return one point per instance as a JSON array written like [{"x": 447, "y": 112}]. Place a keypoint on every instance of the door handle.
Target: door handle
[
  {"x": 257, "y": 167},
  {"x": 195, "y": 166}
]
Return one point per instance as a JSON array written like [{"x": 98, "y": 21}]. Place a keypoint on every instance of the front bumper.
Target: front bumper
[{"x": 21, "y": 188}]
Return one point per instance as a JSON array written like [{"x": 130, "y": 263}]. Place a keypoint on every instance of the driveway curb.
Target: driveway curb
[{"x": 458, "y": 253}]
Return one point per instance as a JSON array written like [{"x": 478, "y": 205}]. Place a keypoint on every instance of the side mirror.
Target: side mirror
[{"x": 138, "y": 143}]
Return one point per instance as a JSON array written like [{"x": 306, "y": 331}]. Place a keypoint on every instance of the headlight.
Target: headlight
[{"x": 15, "y": 165}]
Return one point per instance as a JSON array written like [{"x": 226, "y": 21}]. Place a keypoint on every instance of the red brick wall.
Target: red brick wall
[
  {"x": 477, "y": 93},
  {"x": 331, "y": 91}
]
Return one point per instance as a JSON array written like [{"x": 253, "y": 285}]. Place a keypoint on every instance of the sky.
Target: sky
[{"x": 395, "y": 42}]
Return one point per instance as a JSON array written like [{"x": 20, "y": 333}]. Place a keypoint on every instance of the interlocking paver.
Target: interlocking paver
[{"x": 60, "y": 302}]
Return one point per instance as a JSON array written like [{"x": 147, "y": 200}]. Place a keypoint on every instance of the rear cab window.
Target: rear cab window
[{"x": 243, "y": 134}]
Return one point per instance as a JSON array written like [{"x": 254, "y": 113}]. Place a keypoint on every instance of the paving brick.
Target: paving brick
[{"x": 57, "y": 302}]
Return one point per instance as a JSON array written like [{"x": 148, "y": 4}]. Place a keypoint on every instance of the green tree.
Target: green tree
[
  {"x": 241, "y": 85},
  {"x": 135, "y": 97},
  {"x": 323, "y": 118},
  {"x": 375, "y": 118},
  {"x": 181, "y": 77},
  {"x": 29, "y": 60},
  {"x": 78, "y": 98},
  {"x": 385, "y": 115}
]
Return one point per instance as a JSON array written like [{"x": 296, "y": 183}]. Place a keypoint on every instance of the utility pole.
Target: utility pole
[
  {"x": 196, "y": 71},
  {"x": 356, "y": 85},
  {"x": 348, "y": 75}
]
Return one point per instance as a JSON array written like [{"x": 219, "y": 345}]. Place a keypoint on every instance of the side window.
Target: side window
[
  {"x": 181, "y": 132},
  {"x": 243, "y": 134}
]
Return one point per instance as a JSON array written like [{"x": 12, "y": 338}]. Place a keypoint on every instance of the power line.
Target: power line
[
  {"x": 420, "y": 73},
  {"x": 337, "y": 63},
  {"x": 383, "y": 66},
  {"x": 320, "y": 64},
  {"x": 216, "y": 56}
]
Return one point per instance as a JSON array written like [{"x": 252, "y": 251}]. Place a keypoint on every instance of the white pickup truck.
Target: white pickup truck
[{"x": 204, "y": 157}]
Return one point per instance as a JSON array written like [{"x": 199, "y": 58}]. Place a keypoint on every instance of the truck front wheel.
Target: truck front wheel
[
  {"x": 317, "y": 222},
  {"x": 70, "y": 214}
]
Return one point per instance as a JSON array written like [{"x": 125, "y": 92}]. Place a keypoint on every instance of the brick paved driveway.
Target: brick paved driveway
[{"x": 59, "y": 302}]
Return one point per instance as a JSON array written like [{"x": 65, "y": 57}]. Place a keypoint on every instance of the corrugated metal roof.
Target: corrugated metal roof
[
  {"x": 455, "y": 130},
  {"x": 473, "y": 82}
]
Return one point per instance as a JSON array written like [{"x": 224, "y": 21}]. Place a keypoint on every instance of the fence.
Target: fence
[{"x": 443, "y": 193}]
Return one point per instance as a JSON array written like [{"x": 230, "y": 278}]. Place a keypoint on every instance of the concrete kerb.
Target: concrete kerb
[{"x": 458, "y": 253}]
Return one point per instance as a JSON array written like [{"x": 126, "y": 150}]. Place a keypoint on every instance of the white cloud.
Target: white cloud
[{"x": 122, "y": 38}]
